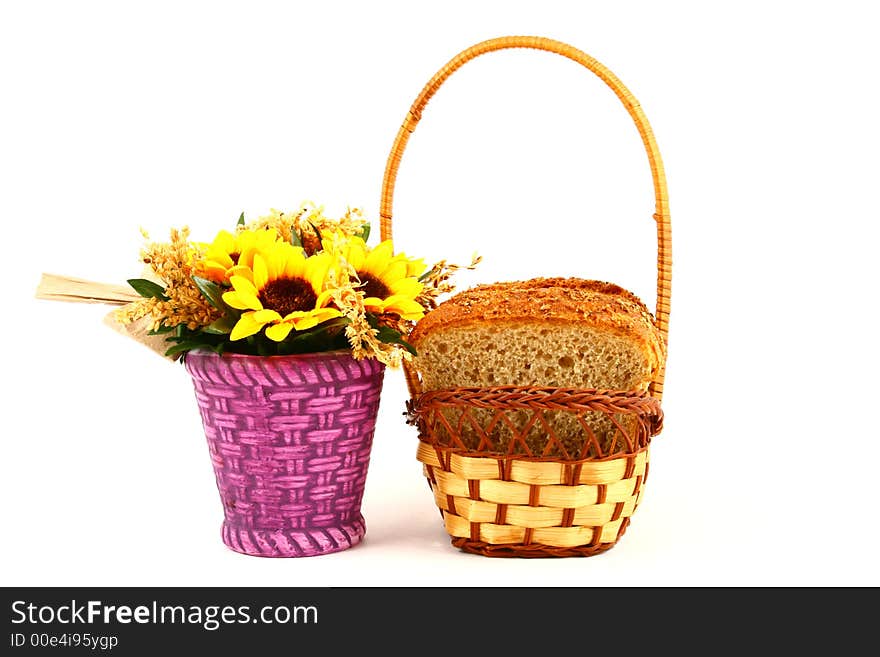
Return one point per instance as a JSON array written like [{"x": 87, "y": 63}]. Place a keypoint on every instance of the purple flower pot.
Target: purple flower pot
[{"x": 290, "y": 440}]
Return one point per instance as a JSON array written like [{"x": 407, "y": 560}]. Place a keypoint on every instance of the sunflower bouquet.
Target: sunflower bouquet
[{"x": 285, "y": 283}]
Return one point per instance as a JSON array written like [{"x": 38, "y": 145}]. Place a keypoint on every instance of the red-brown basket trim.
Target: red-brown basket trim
[
  {"x": 543, "y": 398},
  {"x": 474, "y": 489},
  {"x": 534, "y": 494},
  {"x": 426, "y": 412},
  {"x": 630, "y": 467},
  {"x": 535, "y": 550},
  {"x": 450, "y": 504}
]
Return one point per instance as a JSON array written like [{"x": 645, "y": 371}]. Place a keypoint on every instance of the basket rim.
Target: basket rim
[
  {"x": 533, "y": 394},
  {"x": 203, "y": 352},
  {"x": 423, "y": 410},
  {"x": 539, "y": 398}
]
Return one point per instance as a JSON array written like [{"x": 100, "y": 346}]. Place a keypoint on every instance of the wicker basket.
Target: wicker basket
[{"x": 512, "y": 500}]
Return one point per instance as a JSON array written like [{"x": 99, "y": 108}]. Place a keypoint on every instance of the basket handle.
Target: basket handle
[{"x": 661, "y": 213}]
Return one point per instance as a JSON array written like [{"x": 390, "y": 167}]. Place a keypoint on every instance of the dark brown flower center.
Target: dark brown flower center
[
  {"x": 373, "y": 287},
  {"x": 286, "y": 295}
]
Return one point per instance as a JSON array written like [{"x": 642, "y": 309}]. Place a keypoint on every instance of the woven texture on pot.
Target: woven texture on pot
[
  {"x": 290, "y": 440},
  {"x": 538, "y": 472},
  {"x": 516, "y": 494}
]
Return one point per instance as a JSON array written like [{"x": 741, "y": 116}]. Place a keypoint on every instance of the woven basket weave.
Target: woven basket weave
[
  {"x": 290, "y": 440},
  {"x": 512, "y": 500}
]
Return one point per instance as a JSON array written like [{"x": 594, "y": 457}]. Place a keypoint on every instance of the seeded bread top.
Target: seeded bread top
[{"x": 596, "y": 304}]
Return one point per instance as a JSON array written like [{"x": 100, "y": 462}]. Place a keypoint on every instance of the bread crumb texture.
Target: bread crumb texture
[{"x": 553, "y": 332}]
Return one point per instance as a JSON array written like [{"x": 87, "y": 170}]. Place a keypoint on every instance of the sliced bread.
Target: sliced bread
[{"x": 549, "y": 332}]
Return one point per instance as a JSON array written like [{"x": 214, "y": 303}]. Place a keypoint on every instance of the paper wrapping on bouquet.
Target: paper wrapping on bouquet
[
  {"x": 290, "y": 440},
  {"x": 53, "y": 287}
]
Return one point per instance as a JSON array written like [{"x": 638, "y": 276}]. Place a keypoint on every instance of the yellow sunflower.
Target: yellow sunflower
[
  {"x": 386, "y": 280},
  {"x": 283, "y": 291},
  {"x": 229, "y": 251},
  {"x": 414, "y": 266}
]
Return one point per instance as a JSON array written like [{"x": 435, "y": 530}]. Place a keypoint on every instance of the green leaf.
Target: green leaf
[
  {"x": 320, "y": 328},
  {"x": 240, "y": 220},
  {"x": 211, "y": 291},
  {"x": 161, "y": 330},
  {"x": 406, "y": 345},
  {"x": 323, "y": 337},
  {"x": 389, "y": 335},
  {"x": 295, "y": 238},
  {"x": 222, "y": 326},
  {"x": 365, "y": 232},
  {"x": 148, "y": 289},
  {"x": 287, "y": 348},
  {"x": 182, "y": 347}
]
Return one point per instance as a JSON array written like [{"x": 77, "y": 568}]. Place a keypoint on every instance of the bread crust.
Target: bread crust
[{"x": 598, "y": 305}]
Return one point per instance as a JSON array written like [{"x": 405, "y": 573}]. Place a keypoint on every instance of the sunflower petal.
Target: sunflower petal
[
  {"x": 266, "y": 316},
  {"x": 375, "y": 304},
  {"x": 294, "y": 264},
  {"x": 219, "y": 258},
  {"x": 316, "y": 271},
  {"x": 244, "y": 272},
  {"x": 241, "y": 301},
  {"x": 323, "y": 314},
  {"x": 266, "y": 238},
  {"x": 407, "y": 287},
  {"x": 278, "y": 332},
  {"x": 243, "y": 284},
  {"x": 301, "y": 319},
  {"x": 252, "y": 242},
  {"x": 261, "y": 272},
  {"x": 415, "y": 267},
  {"x": 405, "y": 307},
  {"x": 245, "y": 326},
  {"x": 324, "y": 298},
  {"x": 273, "y": 258},
  {"x": 243, "y": 296},
  {"x": 213, "y": 270},
  {"x": 246, "y": 256},
  {"x": 257, "y": 240},
  {"x": 377, "y": 259},
  {"x": 395, "y": 271},
  {"x": 356, "y": 253},
  {"x": 223, "y": 243}
]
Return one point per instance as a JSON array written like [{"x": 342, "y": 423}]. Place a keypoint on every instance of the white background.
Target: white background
[{"x": 117, "y": 116}]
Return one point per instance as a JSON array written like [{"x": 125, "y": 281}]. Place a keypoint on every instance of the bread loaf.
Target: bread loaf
[{"x": 549, "y": 332}]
